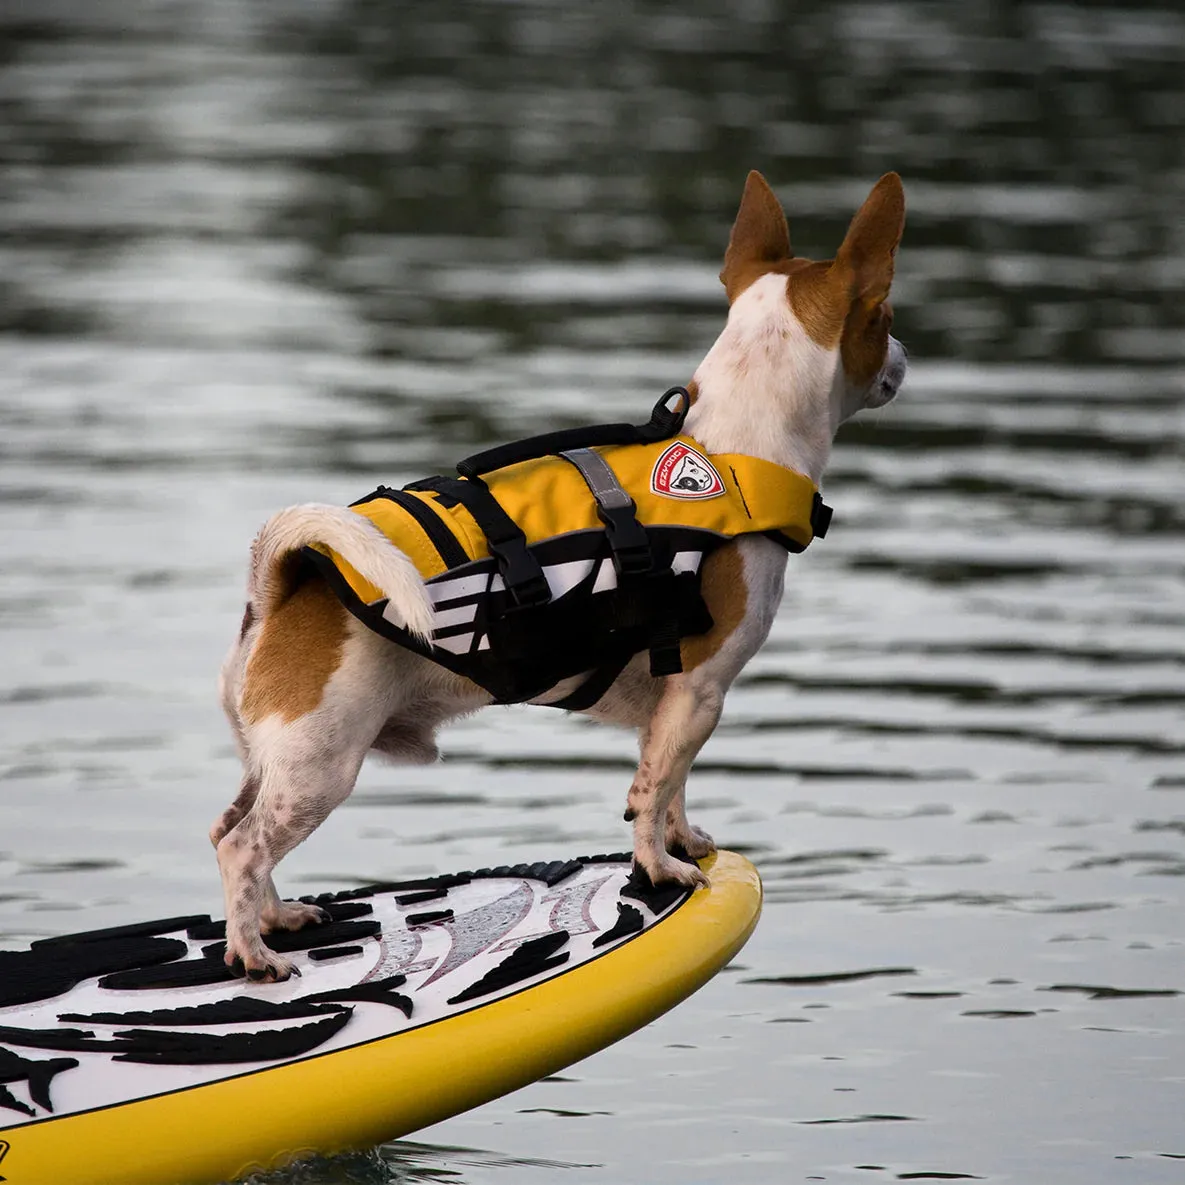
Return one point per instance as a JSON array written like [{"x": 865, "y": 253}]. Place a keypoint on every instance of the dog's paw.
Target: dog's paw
[
  {"x": 664, "y": 869},
  {"x": 695, "y": 841},
  {"x": 292, "y": 915},
  {"x": 266, "y": 967}
]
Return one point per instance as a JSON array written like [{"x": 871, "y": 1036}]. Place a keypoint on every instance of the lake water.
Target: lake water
[{"x": 254, "y": 253}]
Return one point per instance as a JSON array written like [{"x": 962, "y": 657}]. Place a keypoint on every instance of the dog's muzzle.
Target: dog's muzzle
[{"x": 892, "y": 374}]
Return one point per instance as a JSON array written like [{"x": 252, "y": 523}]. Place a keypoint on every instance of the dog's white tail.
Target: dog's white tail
[{"x": 361, "y": 544}]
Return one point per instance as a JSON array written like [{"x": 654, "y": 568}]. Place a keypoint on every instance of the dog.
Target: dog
[{"x": 309, "y": 690}]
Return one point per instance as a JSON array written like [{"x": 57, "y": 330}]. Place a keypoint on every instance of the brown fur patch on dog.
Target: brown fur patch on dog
[
  {"x": 298, "y": 649},
  {"x": 820, "y": 299},
  {"x": 865, "y": 342},
  {"x": 724, "y": 590}
]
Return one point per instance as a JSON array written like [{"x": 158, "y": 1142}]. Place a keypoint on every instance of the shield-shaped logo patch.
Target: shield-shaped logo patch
[{"x": 682, "y": 472}]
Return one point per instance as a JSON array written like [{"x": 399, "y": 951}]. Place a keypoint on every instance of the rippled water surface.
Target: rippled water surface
[{"x": 257, "y": 253}]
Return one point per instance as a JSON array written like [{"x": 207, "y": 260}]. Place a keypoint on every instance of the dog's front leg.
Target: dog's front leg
[
  {"x": 685, "y": 716},
  {"x": 695, "y": 841}
]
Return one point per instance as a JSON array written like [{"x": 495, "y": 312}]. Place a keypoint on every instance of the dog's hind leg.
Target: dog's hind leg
[
  {"x": 231, "y": 817},
  {"x": 230, "y": 683},
  {"x": 275, "y": 913},
  {"x": 299, "y": 785}
]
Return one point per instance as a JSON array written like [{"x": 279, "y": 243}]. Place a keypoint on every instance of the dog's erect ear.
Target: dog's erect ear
[
  {"x": 871, "y": 242},
  {"x": 760, "y": 237}
]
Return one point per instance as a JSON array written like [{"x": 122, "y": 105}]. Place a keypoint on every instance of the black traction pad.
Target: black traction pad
[
  {"x": 38, "y": 1074},
  {"x": 550, "y": 872},
  {"x": 170, "y": 1048},
  {"x": 134, "y": 930},
  {"x": 282, "y": 941},
  {"x": 342, "y": 912},
  {"x": 167, "y": 1048},
  {"x": 190, "y": 973},
  {"x": 237, "y": 1011},
  {"x": 629, "y": 921},
  {"x": 530, "y": 958},
  {"x": 426, "y": 919},
  {"x": 421, "y": 898},
  {"x": 188, "y": 1049},
  {"x": 323, "y": 954},
  {"x": 378, "y": 991},
  {"x": 657, "y": 898},
  {"x": 48, "y": 971}
]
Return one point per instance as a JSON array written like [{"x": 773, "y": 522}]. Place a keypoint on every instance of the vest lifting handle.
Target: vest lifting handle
[{"x": 663, "y": 423}]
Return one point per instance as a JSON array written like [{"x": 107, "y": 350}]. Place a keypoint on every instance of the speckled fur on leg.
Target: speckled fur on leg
[
  {"x": 231, "y": 817},
  {"x": 687, "y": 713},
  {"x": 294, "y": 798},
  {"x": 695, "y": 841}
]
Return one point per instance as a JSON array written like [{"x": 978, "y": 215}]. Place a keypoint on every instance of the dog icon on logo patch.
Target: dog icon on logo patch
[{"x": 681, "y": 472}]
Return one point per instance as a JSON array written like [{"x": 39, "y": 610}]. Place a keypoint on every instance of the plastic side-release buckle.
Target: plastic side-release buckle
[
  {"x": 524, "y": 578},
  {"x": 820, "y": 516},
  {"x": 628, "y": 541}
]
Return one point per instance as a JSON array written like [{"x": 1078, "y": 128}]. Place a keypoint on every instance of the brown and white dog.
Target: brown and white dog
[{"x": 310, "y": 691}]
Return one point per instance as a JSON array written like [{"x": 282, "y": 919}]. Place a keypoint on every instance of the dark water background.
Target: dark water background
[{"x": 254, "y": 253}]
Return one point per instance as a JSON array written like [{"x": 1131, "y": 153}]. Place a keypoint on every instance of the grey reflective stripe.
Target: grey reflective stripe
[{"x": 600, "y": 478}]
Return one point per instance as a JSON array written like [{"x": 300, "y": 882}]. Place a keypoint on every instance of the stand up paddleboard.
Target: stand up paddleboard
[{"x": 133, "y": 1056}]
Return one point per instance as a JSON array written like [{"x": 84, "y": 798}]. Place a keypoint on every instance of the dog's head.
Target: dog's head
[{"x": 831, "y": 320}]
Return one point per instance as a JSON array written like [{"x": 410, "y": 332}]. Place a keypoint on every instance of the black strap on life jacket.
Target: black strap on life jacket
[
  {"x": 452, "y": 554},
  {"x": 519, "y": 569},
  {"x": 628, "y": 540},
  {"x": 664, "y": 422},
  {"x": 633, "y": 559},
  {"x": 595, "y": 686}
]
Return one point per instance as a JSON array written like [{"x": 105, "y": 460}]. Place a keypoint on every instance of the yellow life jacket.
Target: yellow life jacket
[{"x": 576, "y": 560}]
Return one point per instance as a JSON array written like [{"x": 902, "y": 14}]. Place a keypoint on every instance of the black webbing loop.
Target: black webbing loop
[
  {"x": 663, "y": 423},
  {"x": 519, "y": 569}
]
